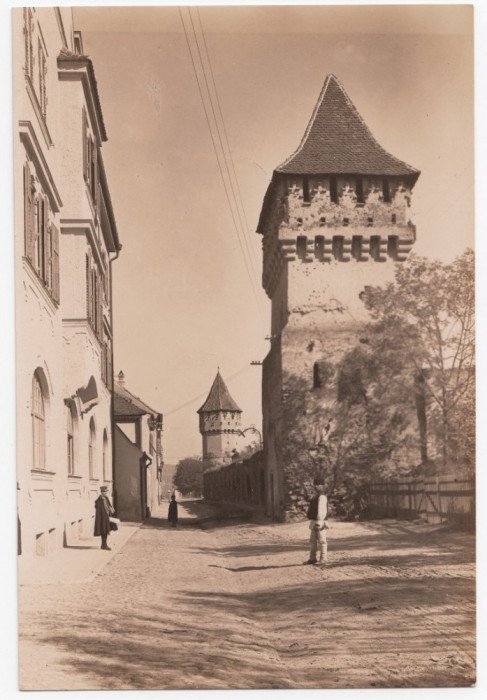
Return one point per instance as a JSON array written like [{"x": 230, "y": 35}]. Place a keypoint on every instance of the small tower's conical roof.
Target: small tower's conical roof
[
  {"x": 219, "y": 398},
  {"x": 337, "y": 141}
]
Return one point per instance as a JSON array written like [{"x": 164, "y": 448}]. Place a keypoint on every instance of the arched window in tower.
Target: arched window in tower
[
  {"x": 91, "y": 450},
  {"x": 38, "y": 425}
]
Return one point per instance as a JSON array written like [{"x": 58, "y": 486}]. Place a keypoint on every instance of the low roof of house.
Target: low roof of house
[{"x": 127, "y": 404}]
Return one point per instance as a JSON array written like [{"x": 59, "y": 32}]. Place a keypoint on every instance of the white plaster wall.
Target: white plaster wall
[{"x": 67, "y": 355}]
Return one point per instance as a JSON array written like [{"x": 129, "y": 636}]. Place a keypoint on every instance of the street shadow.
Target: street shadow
[
  {"x": 253, "y": 568},
  {"x": 164, "y": 649}
]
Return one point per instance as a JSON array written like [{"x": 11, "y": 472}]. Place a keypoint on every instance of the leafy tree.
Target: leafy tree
[
  {"x": 188, "y": 477},
  {"x": 424, "y": 332},
  {"x": 365, "y": 419}
]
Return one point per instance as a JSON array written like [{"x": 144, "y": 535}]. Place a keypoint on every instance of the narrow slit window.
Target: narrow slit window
[
  {"x": 301, "y": 247},
  {"x": 386, "y": 190},
  {"x": 319, "y": 247},
  {"x": 393, "y": 219},
  {"x": 359, "y": 190},
  {"x": 306, "y": 189},
  {"x": 346, "y": 221},
  {"x": 316, "y": 376},
  {"x": 357, "y": 247},
  {"x": 333, "y": 189},
  {"x": 337, "y": 247},
  {"x": 374, "y": 247},
  {"x": 392, "y": 247}
]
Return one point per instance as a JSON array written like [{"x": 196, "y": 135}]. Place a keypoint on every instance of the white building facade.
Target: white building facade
[{"x": 65, "y": 243}]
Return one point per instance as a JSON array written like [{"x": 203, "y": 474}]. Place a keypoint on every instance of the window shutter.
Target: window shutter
[
  {"x": 100, "y": 306},
  {"x": 85, "y": 145},
  {"x": 109, "y": 363},
  {"x": 45, "y": 243},
  {"x": 55, "y": 263},
  {"x": 89, "y": 290},
  {"x": 28, "y": 214},
  {"x": 97, "y": 184}
]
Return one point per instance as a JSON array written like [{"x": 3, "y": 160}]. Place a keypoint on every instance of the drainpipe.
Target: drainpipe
[{"x": 112, "y": 406}]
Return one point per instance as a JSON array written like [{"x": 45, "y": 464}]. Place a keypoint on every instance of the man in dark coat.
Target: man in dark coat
[
  {"x": 172, "y": 514},
  {"x": 103, "y": 510}
]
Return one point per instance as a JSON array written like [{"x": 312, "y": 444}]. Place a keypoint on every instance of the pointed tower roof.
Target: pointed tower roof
[
  {"x": 337, "y": 141},
  {"x": 219, "y": 398}
]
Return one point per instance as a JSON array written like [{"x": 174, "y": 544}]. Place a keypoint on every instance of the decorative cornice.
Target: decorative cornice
[
  {"x": 72, "y": 66},
  {"x": 84, "y": 227}
]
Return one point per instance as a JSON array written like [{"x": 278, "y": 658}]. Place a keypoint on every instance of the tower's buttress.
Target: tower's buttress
[{"x": 335, "y": 219}]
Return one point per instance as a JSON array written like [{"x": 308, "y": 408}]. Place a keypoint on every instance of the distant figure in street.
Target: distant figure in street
[
  {"x": 103, "y": 511},
  {"x": 317, "y": 511},
  {"x": 172, "y": 514}
]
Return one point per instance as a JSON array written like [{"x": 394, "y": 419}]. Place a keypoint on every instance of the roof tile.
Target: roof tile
[
  {"x": 219, "y": 398},
  {"x": 338, "y": 141}
]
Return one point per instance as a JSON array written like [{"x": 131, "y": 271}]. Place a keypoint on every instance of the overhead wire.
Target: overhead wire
[
  {"x": 228, "y": 191},
  {"x": 238, "y": 200}
]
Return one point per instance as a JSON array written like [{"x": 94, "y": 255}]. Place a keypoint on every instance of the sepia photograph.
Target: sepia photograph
[{"x": 245, "y": 364}]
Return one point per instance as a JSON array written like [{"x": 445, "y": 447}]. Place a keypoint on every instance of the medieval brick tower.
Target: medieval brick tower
[
  {"x": 220, "y": 423},
  {"x": 334, "y": 220}
]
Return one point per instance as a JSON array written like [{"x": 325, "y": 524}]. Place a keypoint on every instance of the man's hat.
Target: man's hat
[
  {"x": 103, "y": 488},
  {"x": 318, "y": 481}
]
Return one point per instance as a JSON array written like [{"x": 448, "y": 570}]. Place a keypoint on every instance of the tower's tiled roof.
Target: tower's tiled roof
[
  {"x": 219, "y": 398},
  {"x": 337, "y": 141}
]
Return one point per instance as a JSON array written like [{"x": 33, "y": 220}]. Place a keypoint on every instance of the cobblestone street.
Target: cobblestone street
[{"x": 224, "y": 603}]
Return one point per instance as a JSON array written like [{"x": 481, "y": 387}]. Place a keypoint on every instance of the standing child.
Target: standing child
[{"x": 172, "y": 515}]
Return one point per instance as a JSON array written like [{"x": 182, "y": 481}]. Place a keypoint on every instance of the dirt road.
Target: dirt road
[{"x": 228, "y": 604}]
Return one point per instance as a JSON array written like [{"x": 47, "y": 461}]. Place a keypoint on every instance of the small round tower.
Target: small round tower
[{"x": 220, "y": 423}]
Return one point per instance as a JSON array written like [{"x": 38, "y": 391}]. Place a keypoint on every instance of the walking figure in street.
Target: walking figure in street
[
  {"x": 103, "y": 511},
  {"x": 317, "y": 511},
  {"x": 172, "y": 514}
]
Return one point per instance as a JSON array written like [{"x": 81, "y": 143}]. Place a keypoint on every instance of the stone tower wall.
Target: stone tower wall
[{"x": 319, "y": 256}]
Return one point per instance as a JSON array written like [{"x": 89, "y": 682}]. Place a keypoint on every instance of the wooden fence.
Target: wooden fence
[{"x": 436, "y": 499}]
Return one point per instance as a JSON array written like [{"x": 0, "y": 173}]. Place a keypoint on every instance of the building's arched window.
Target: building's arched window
[
  {"x": 70, "y": 439},
  {"x": 38, "y": 425},
  {"x": 91, "y": 449},
  {"x": 105, "y": 455}
]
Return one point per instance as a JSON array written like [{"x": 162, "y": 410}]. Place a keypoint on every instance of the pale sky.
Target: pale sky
[{"x": 183, "y": 299}]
